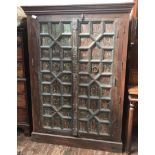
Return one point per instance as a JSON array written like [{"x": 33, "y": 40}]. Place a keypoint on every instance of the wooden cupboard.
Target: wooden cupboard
[{"x": 77, "y": 67}]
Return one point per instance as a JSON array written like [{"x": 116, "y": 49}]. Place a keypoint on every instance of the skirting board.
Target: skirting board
[{"x": 78, "y": 142}]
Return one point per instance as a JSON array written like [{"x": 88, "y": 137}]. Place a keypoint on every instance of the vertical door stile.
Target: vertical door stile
[{"x": 75, "y": 80}]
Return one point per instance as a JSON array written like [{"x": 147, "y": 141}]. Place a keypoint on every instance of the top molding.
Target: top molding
[{"x": 78, "y": 9}]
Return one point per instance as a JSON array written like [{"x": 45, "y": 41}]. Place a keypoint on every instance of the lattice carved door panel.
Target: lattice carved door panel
[
  {"x": 76, "y": 76},
  {"x": 96, "y": 74},
  {"x": 55, "y": 74}
]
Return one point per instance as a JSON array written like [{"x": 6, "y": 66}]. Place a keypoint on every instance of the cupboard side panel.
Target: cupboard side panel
[{"x": 32, "y": 45}]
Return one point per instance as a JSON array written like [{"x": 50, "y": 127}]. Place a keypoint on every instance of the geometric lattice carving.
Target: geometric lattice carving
[
  {"x": 46, "y": 99},
  {"x": 45, "y": 53},
  {"x": 47, "y": 77},
  {"x": 103, "y": 116},
  {"x": 96, "y": 53},
  {"x": 85, "y": 41},
  {"x": 104, "y": 104},
  {"x": 65, "y": 41},
  {"x": 46, "y": 88},
  {"x": 66, "y": 28},
  {"x": 107, "y": 54},
  {"x": 109, "y": 27},
  {"x": 56, "y": 75},
  {"x": 95, "y": 74},
  {"x": 56, "y": 101},
  {"x": 106, "y": 41},
  {"x": 107, "y": 67},
  {"x": 84, "y": 28},
  {"x": 82, "y": 126},
  {"x": 45, "y": 65},
  {"x": 56, "y": 50},
  {"x": 93, "y": 125},
  {"x": 95, "y": 63},
  {"x": 83, "y": 103},
  {"x": 105, "y": 80},
  {"x": 44, "y": 28},
  {"x": 56, "y": 68},
  {"x": 94, "y": 105},
  {"x": 106, "y": 91},
  {"x": 104, "y": 129},
  {"x": 46, "y": 41},
  {"x": 67, "y": 66},
  {"x": 66, "y": 124},
  {"x": 67, "y": 54},
  {"x": 56, "y": 87},
  {"x": 83, "y": 54},
  {"x": 84, "y": 79},
  {"x": 83, "y": 91},
  {"x": 66, "y": 77},
  {"x": 94, "y": 89},
  {"x": 55, "y": 29},
  {"x": 96, "y": 29},
  {"x": 95, "y": 68},
  {"x": 84, "y": 67}
]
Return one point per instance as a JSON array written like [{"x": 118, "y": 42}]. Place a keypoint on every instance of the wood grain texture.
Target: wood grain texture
[
  {"x": 19, "y": 53},
  {"x": 21, "y": 100},
  {"x": 71, "y": 9},
  {"x": 78, "y": 142},
  {"x": 27, "y": 147},
  {"x": 22, "y": 115},
  {"x": 20, "y": 69},
  {"x": 23, "y": 87},
  {"x": 90, "y": 121}
]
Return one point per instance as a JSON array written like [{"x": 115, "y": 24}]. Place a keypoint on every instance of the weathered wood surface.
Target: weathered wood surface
[{"x": 27, "y": 147}]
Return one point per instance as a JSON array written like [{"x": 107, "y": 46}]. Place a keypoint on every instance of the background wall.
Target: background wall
[{"x": 66, "y": 2}]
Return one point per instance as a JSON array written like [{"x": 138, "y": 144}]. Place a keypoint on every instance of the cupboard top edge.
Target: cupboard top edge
[{"x": 78, "y": 9}]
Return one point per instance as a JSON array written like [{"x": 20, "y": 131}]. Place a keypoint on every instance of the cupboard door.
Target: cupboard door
[
  {"x": 55, "y": 74},
  {"x": 77, "y": 75},
  {"x": 97, "y": 72}
]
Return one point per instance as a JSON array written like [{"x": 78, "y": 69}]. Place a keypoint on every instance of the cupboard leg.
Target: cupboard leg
[{"x": 130, "y": 127}]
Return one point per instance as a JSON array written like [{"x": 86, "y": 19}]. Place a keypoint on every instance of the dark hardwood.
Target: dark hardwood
[
  {"x": 77, "y": 67},
  {"x": 131, "y": 111},
  {"x": 78, "y": 9},
  {"x": 133, "y": 101},
  {"x": 77, "y": 142},
  {"x": 23, "y": 84}
]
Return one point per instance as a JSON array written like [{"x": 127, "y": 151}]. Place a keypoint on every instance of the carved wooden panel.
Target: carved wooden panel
[
  {"x": 77, "y": 67},
  {"x": 95, "y": 74},
  {"x": 56, "y": 75},
  {"x": 79, "y": 57}
]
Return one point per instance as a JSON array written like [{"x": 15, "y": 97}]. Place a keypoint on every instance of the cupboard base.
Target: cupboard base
[{"x": 78, "y": 142}]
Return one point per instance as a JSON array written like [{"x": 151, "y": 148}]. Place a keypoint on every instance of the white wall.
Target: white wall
[{"x": 66, "y": 2}]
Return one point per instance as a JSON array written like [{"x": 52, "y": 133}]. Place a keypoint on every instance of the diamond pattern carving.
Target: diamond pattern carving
[
  {"x": 56, "y": 74},
  {"x": 95, "y": 73},
  {"x": 95, "y": 63}
]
